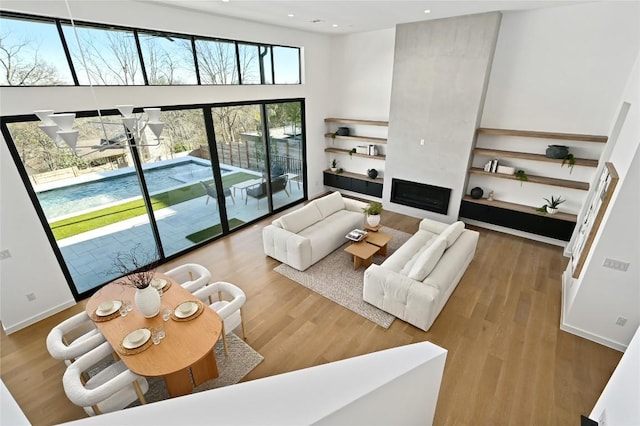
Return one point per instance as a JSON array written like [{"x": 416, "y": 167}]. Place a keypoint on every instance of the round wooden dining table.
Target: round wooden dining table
[{"x": 188, "y": 343}]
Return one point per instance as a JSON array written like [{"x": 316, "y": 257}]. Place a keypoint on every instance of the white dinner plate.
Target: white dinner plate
[
  {"x": 181, "y": 313},
  {"x": 158, "y": 283},
  {"x": 103, "y": 313},
  {"x": 136, "y": 338}
]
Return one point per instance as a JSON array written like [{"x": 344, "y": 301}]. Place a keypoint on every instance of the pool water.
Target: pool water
[{"x": 79, "y": 197}]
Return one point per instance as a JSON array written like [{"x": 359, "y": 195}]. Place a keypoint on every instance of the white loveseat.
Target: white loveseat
[
  {"x": 415, "y": 282},
  {"x": 303, "y": 237}
]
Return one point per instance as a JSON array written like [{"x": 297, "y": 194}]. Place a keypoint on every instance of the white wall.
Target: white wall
[
  {"x": 33, "y": 266},
  {"x": 618, "y": 403},
  {"x": 397, "y": 386},
  {"x": 561, "y": 69},
  {"x": 360, "y": 70}
]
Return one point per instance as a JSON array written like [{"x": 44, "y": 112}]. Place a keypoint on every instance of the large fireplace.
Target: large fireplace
[{"x": 420, "y": 195}]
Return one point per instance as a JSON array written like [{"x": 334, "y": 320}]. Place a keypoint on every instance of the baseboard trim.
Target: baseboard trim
[
  {"x": 593, "y": 337},
  {"x": 515, "y": 232},
  {"x": 34, "y": 319}
]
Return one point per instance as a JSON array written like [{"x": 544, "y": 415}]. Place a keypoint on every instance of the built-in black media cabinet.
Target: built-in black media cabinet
[
  {"x": 354, "y": 182},
  {"x": 559, "y": 226}
]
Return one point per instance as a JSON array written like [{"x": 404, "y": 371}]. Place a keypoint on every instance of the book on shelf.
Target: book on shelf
[{"x": 356, "y": 235}]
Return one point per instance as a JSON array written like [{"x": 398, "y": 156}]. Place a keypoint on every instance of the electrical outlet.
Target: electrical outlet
[
  {"x": 621, "y": 321},
  {"x": 421, "y": 142},
  {"x": 5, "y": 254},
  {"x": 31, "y": 297},
  {"x": 618, "y": 265}
]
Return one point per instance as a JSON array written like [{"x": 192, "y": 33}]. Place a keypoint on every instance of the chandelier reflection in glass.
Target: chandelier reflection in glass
[{"x": 59, "y": 127}]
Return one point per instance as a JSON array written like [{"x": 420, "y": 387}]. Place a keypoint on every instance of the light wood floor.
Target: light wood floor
[{"x": 507, "y": 364}]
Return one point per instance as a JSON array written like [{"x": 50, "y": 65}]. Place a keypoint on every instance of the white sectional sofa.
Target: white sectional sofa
[
  {"x": 415, "y": 282},
  {"x": 303, "y": 237}
]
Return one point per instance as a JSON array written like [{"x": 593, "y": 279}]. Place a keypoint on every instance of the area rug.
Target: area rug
[
  {"x": 334, "y": 278},
  {"x": 212, "y": 231},
  {"x": 232, "y": 368}
]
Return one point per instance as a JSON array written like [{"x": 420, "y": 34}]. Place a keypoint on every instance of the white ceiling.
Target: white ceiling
[{"x": 350, "y": 16}]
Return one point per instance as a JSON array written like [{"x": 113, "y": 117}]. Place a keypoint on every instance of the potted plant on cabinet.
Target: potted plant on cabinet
[
  {"x": 372, "y": 211},
  {"x": 334, "y": 165},
  {"x": 552, "y": 205}
]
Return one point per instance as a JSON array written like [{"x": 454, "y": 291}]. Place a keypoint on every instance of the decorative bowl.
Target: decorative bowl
[{"x": 557, "y": 151}]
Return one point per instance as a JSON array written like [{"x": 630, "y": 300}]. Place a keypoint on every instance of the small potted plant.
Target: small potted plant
[
  {"x": 570, "y": 160},
  {"x": 372, "y": 211},
  {"x": 552, "y": 205},
  {"x": 521, "y": 175},
  {"x": 334, "y": 165}
]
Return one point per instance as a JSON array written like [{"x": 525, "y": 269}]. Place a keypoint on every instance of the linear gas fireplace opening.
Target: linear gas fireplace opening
[{"x": 420, "y": 195}]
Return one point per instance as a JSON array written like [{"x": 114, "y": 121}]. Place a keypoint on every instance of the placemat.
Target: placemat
[
  {"x": 97, "y": 318},
  {"x": 125, "y": 351},
  {"x": 189, "y": 318}
]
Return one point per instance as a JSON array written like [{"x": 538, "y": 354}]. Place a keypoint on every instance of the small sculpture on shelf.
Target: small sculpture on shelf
[
  {"x": 490, "y": 196},
  {"x": 476, "y": 193}
]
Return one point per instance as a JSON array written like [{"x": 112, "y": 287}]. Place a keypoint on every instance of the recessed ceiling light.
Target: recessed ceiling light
[
  {"x": 291, "y": 15},
  {"x": 225, "y": 1},
  {"x": 427, "y": 11},
  {"x": 334, "y": 25}
]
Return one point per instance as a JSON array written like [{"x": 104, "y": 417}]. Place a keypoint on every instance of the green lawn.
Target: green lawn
[
  {"x": 212, "y": 231},
  {"x": 86, "y": 222}
]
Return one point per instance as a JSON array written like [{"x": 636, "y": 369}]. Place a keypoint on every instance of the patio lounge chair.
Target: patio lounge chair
[
  {"x": 259, "y": 191},
  {"x": 213, "y": 193}
]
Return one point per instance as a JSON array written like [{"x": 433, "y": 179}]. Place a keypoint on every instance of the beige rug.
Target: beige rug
[
  {"x": 334, "y": 278},
  {"x": 241, "y": 360}
]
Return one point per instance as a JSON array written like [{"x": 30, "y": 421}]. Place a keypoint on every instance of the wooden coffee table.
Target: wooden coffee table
[
  {"x": 379, "y": 239},
  {"x": 362, "y": 253}
]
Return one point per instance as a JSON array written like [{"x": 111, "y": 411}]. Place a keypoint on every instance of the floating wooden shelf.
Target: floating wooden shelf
[
  {"x": 584, "y": 186},
  {"x": 543, "y": 135},
  {"x": 357, "y": 138},
  {"x": 494, "y": 153},
  {"x": 355, "y": 154},
  {"x": 522, "y": 208},
  {"x": 355, "y": 176},
  {"x": 354, "y": 121}
]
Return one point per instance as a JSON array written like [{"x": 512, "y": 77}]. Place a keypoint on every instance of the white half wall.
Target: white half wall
[
  {"x": 618, "y": 403},
  {"x": 33, "y": 267},
  {"x": 396, "y": 386}
]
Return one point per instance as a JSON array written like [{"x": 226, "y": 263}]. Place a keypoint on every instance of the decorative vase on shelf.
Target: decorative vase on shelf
[
  {"x": 373, "y": 220},
  {"x": 372, "y": 173},
  {"x": 147, "y": 301},
  {"x": 342, "y": 131},
  {"x": 557, "y": 151},
  {"x": 552, "y": 210},
  {"x": 476, "y": 193}
]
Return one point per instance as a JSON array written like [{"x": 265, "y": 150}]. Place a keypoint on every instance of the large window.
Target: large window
[
  {"x": 217, "y": 62},
  {"x": 107, "y": 57},
  {"x": 168, "y": 59},
  {"x": 213, "y": 169},
  {"x": 32, "y": 52}
]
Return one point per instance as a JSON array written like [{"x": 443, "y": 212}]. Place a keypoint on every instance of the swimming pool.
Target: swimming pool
[{"x": 83, "y": 196}]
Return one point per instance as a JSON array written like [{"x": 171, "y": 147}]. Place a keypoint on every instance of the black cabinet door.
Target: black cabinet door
[{"x": 528, "y": 222}]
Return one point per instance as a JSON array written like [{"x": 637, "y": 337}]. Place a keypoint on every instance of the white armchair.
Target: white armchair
[
  {"x": 230, "y": 311},
  {"x": 112, "y": 388},
  {"x": 190, "y": 276},
  {"x": 60, "y": 347}
]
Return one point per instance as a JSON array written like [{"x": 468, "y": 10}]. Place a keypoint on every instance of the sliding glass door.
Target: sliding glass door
[{"x": 213, "y": 169}]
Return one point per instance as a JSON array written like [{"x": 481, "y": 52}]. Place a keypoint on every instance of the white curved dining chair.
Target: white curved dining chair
[
  {"x": 230, "y": 311},
  {"x": 191, "y": 276},
  {"x": 112, "y": 388},
  {"x": 60, "y": 347}
]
